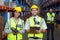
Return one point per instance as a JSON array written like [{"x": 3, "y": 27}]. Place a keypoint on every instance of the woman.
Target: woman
[{"x": 15, "y": 26}]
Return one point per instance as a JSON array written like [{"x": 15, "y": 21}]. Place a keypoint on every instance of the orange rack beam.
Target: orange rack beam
[{"x": 6, "y": 8}]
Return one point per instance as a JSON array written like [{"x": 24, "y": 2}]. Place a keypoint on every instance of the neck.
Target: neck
[
  {"x": 15, "y": 18},
  {"x": 34, "y": 15},
  {"x": 50, "y": 12}
]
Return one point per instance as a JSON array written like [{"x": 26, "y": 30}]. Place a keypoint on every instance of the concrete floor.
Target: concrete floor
[{"x": 56, "y": 35}]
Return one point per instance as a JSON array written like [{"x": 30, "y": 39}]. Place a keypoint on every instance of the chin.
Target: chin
[
  {"x": 34, "y": 15},
  {"x": 16, "y": 17}
]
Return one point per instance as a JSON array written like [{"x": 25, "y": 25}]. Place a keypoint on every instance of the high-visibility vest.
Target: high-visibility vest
[
  {"x": 39, "y": 35},
  {"x": 50, "y": 16},
  {"x": 11, "y": 23}
]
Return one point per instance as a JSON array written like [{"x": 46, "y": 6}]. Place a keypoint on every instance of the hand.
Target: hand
[
  {"x": 28, "y": 31},
  {"x": 4, "y": 34},
  {"x": 14, "y": 33},
  {"x": 38, "y": 31}
]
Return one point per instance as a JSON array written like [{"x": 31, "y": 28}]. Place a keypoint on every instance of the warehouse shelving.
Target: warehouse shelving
[
  {"x": 6, "y": 8},
  {"x": 51, "y": 4}
]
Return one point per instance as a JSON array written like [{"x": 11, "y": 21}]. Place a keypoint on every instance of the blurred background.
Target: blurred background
[{"x": 6, "y": 9}]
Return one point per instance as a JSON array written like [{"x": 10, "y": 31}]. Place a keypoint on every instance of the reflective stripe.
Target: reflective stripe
[
  {"x": 11, "y": 23},
  {"x": 13, "y": 37},
  {"x": 50, "y": 17},
  {"x": 40, "y": 35}
]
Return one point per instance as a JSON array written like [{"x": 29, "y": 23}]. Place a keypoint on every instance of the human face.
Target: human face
[
  {"x": 16, "y": 14},
  {"x": 34, "y": 12},
  {"x": 50, "y": 10}
]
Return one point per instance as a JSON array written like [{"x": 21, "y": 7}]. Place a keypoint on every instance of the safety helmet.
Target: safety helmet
[
  {"x": 34, "y": 6},
  {"x": 18, "y": 8}
]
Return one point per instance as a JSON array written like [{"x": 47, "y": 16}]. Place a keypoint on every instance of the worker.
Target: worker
[
  {"x": 50, "y": 19},
  {"x": 37, "y": 21},
  {"x": 15, "y": 26}
]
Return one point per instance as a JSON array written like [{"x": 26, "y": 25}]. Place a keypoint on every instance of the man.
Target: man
[
  {"x": 35, "y": 21},
  {"x": 15, "y": 26},
  {"x": 50, "y": 18}
]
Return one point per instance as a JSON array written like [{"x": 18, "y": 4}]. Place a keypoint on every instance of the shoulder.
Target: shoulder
[
  {"x": 21, "y": 19},
  {"x": 53, "y": 12},
  {"x": 48, "y": 13},
  {"x": 41, "y": 18},
  {"x": 10, "y": 19},
  {"x": 28, "y": 18}
]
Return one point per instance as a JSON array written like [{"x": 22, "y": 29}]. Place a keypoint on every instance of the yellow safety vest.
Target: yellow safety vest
[
  {"x": 50, "y": 17},
  {"x": 40, "y": 35},
  {"x": 11, "y": 36}
]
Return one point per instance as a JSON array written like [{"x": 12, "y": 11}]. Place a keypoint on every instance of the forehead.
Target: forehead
[
  {"x": 34, "y": 9},
  {"x": 17, "y": 12}
]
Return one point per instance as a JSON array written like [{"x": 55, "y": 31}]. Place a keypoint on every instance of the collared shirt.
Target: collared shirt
[
  {"x": 35, "y": 17},
  {"x": 43, "y": 24}
]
